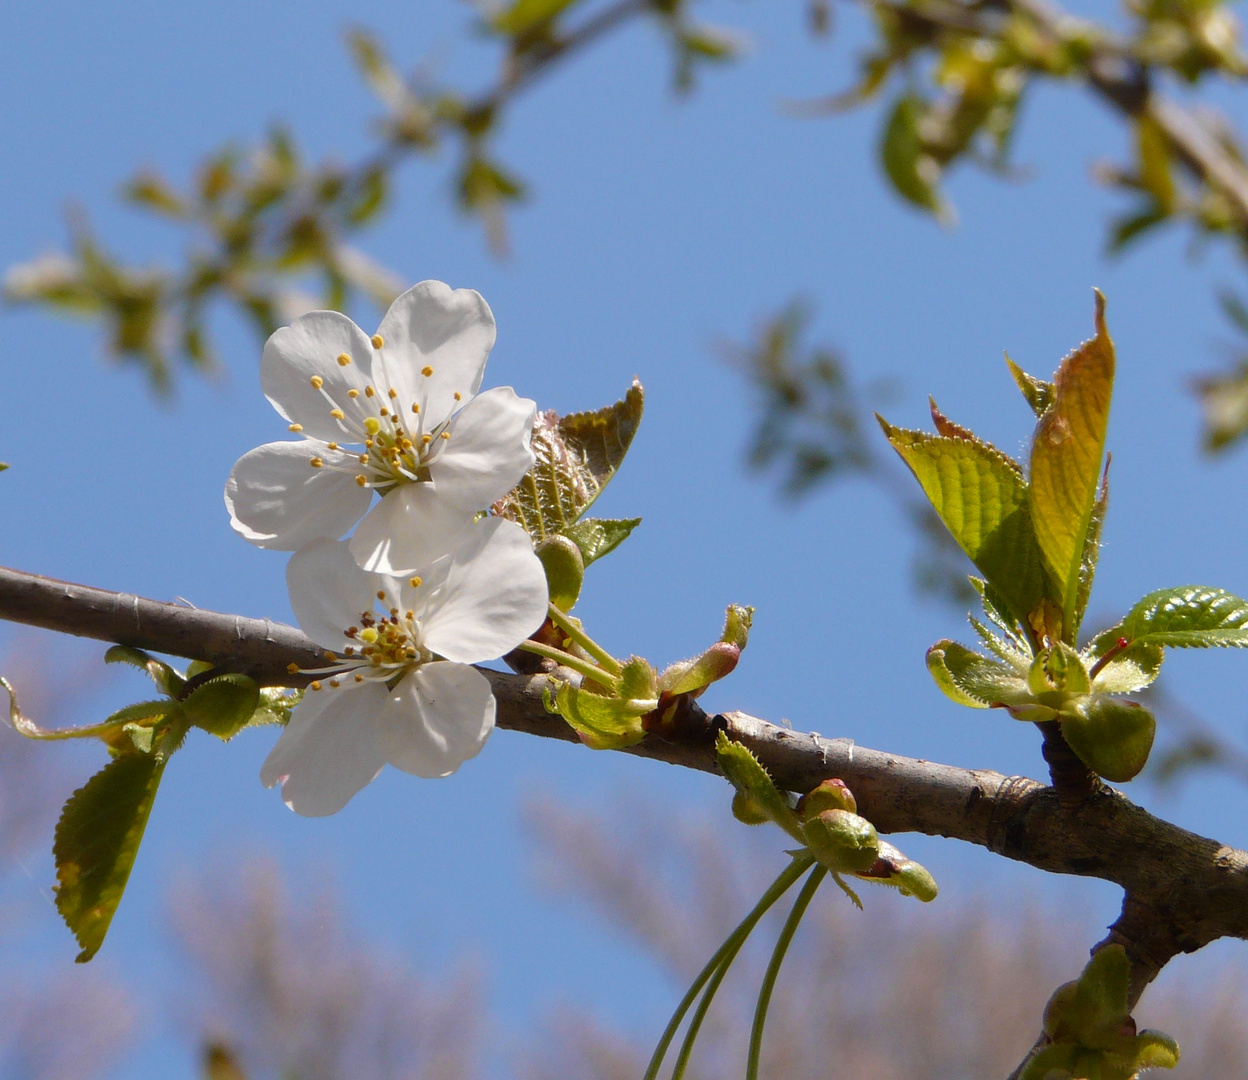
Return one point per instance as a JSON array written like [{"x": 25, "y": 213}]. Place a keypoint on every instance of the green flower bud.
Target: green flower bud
[
  {"x": 748, "y": 810},
  {"x": 565, "y": 570},
  {"x": 830, "y": 795},
  {"x": 842, "y": 841}
]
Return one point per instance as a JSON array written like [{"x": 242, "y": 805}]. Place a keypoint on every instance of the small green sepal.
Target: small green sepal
[
  {"x": 1112, "y": 738},
  {"x": 565, "y": 570}
]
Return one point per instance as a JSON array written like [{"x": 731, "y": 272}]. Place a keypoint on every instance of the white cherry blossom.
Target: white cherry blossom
[
  {"x": 400, "y": 689},
  {"x": 398, "y": 414}
]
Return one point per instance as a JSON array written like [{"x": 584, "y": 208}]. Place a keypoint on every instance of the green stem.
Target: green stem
[
  {"x": 773, "y": 969},
  {"x": 724, "y": 955},
  {"x": 568, "y": 660},
  {"x": 569, "y": 627}
]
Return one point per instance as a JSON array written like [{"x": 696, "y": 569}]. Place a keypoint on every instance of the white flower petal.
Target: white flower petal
[
  {"x": 448, "y": 330},
  {"x": 311, "y": 346},
  {"x": 437, "y": 718},
  {"x": 486, "y": 598},
  {"x": 278, "y": 500},
  {"x": 411, "y": 527},
  {"x": 488, "y": 451},
  {"x": 331, "y": 748},
  {"x": 328, "y": 591}
]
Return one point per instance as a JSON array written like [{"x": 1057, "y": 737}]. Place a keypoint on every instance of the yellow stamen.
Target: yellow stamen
[
  {"x": 363, "y": 459},
  {"x": 343, "y": 359},
  {"x": 409, "y": 615},
  {"x": 416, "y": 582},
  {"x": 314, "y": 686},
  {"x": 292, "y": 669},
  {"x": 445, "y": 435},
  {"x": 359, "y": 677},
  {"x": 385, "y": 411},
  {"x": 426, "y": 439},
  {"x": 337, "y": 414},
  {"x": 378, "y": 341},
  {"x": 362, "y": 480},
  {"x": 380, "y": 594},
  {"x": 457, "y": 397},
  {"x": 369, "y": 391},
  {"x": 407, "y": 444},
  {"x": 426, "y": 371},
  {"x": 415, "y": 407},
  {"x": 334, "y": 683},
  {"x": 296, "y": 427},
  {"x": 353, "y": 393},
  {"x": 317, "y": 382},
  {"x": 349, "y": 650},
  {"x": 332, "y": 445},
  {"x": 317, "y": 463},
  {"x": 393, "y": 393}
]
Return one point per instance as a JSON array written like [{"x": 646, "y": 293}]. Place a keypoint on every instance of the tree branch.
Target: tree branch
[{"x": 1182, "y": 890}]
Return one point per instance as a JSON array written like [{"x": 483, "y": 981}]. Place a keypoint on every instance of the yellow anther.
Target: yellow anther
[
  {"x": 292, "y": 669},
  {"x": 359, "y": 677},
  {"x": 317, "y": 462},
  {"x": 372, "y": 425},
  {"x": 334, "y": 683},
  {"x": 409, "y": 614},
  {"x": 362, "y": 480},
  {"x": 426, "y": 371},
  {"x": 332, "y": 445},
  {"x": 416, "y": 582},
  {"x": 369, "y": 391},
  {"x": 315, "y": 686},
  {"x": 445, "y": 435},
  {"x": 407, "y": 444},
  {"x": 385, "y": 411},
  {"x": 415, "y": 407},
  {"x": 411, "y": 654},
  {"x": 337, "y": 414},
  {"x": 317, "y": 382},
  {"x": 426, "y": 439},
  {"x": 330, "y": 657},
  {"x": 368, "y": 634},
  {"x": 393, "y": 393},
  {"x": 363, "y": 459},
  {"x": 343, "y": 359},
  {"x": 378, "y": 341},
  {"x": 353, "y": 393},
  {"x": 296, "y": 427},
  {"x": 457, "y": 397},
  {"x": 349, "y": 651},
  {"x": 381, "y": 594},
  {"x": 394, "y": 611}
]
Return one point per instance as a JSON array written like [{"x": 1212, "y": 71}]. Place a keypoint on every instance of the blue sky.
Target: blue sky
[{"x": 657, "y": 227}]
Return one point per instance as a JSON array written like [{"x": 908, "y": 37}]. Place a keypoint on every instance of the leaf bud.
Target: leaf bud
[
  {"x": 694, "y": 676},
  {"x": 748, "y": 810},
  {"x": 830, "y": 795},
  {"x": 565, "y": 570},
  {"x": 842, "y": 841},
  {"x": 1111, "y": 737}
]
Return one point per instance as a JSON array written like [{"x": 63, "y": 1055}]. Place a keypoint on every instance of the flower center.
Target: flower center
[{"x": 397, "y": 443}]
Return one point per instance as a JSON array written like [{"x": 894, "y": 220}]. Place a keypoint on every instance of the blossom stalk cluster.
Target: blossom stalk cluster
[{"x": 393, "y": 440}]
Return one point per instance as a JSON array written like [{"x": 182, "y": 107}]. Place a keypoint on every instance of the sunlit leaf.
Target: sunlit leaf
[
  {"x": 1111, "y": 737},
  {"x": 222, "y": 705},
  {"x": 914, "y": 173},
  {"x": 974, "y": 680},
  {"x": 597, "y": 537},
  {"x": 1191, "y": 616},
  {"x": 576, "y": 457},
  {"x": 97, "y": 839},
  {"x": 1091, "y": 552},
  {"x": 1039, "y": 394},
  {"x": 167, "y": 679},
  {"x": 524, "y": 16},
  {"x": 1066, "y": 458},
  {"x": 981, "y": 497}
]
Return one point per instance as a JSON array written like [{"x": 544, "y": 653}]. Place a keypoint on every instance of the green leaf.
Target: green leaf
[
  {"x": 1066, "y": 462},
  {"x": 222, "y": 705},
  {"x": 23, "y": 725},
  {"x": 974, "y": 680},
  {"x": 1039, "y": 394},
  {"x": 746, "y": 774},
  {"x": 981, "y": 496},
  {"x": 1191, "y": 616},
  {"x": 597, "y": 537},
  {"x": 576, "y": 457},
  {"x": 603, "y": 723},
  {"x": 912, "y": 170},
  {"x": 1130, "y": 670},
  {"x": 525, "y": 16},
  {"x": 168, "y": 680},
  {"x": 97, "y": 839},
  {"x": 1091, "y": 552},
  {"x": 1113, "y": 738}
]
